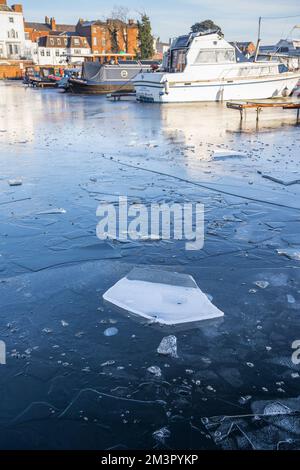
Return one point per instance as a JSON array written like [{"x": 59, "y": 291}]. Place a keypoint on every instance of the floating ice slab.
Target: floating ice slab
[
  {"x": 290, "y": 253},
  {"x": 223, "y": 153},
  {"x": 15, "y": 182},
  {"x": 166, "y": 297}
]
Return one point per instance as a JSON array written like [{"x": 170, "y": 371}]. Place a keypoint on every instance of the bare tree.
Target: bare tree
[{"x": 118, "y": 24}]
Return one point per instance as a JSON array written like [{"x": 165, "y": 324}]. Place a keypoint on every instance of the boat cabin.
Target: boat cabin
[{"x": 199, "y": 48}]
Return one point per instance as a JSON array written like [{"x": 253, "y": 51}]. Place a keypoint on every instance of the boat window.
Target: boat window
[
  {"x": 178, "y": 60},
  {"x": 215, "y": 56}
]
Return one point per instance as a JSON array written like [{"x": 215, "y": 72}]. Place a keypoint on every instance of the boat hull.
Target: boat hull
[
  {"x": 181, "y": 92},
  {"x": 77, "y": 86}
]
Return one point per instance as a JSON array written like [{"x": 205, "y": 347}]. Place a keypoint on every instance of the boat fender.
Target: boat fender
[
  {"x": 285, "y": 92},
  {"x": 167, "y": 87}
]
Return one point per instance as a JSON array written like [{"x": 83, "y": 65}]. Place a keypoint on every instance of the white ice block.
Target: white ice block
[{"x": 166, "y": 297}]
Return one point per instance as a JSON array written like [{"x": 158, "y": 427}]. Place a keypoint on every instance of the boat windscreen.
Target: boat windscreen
[{"x": 181, "y": 41}]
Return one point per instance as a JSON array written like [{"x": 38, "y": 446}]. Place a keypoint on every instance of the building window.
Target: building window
[
  {"x": 58, "y": 41},
  {"x": 66, "y": 42},
  {"x": 17, "y": 34},
  {"x": 103, "y": 42},
  {"x": 95, "y": 41},
  {"x": 16, "y": 49},
  {"x": 11, "y": 19},
  {"x": 42, "y": 53},
  {"x": 10, "y": 48},
  {"x": 77, "y": 51},
  {"x": 76, "y": 41},
  {"x": 57, "y": 53},
  {"x": 52, "y": 42},
  {"x": 12, "y": 33},
  {"x": 48, "y": 53}
]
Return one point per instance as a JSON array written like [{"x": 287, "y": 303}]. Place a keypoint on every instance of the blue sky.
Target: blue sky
[{"x": 238, "y": 18}]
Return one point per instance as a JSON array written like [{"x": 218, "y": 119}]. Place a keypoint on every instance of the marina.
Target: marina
[{"x": 149, "y": 233}]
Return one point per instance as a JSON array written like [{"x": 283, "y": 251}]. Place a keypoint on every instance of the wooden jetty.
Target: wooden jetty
[
  {"x": 117, "y": 95},
  {"x": 260, "y": 105}
]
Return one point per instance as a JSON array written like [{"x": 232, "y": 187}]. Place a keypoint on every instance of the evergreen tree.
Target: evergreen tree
[
  {"x": 205, "y": 25},
  {"x": 145, "y": 38}
]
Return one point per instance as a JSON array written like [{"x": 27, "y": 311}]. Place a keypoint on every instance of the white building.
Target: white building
[
  {"x": 160, "y": 48},
  {"x": 61, "y": 50},
  {"x": 12, "y": 36}
]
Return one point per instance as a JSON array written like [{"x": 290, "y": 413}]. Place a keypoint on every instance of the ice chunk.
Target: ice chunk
[
  {"x": 15, "y": 182},
  {"x": 262, "y": 284},
  {"x": 290, "y": 299},
  {"x": 111, "y": 331},
  {"x": 281, "y": 181},
  {"x": 223, "y": 153},
  {"x": 290, "y": 253},
  {"x": 163, "y": 296},
  {"x": 155, "y": 370},
  {"x": 161, "y": 435},
  {"x": 168, "y": 346},
  {"x": 56, "y": 210}
]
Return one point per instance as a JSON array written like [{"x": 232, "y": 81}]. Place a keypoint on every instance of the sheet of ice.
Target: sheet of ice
[
  {"x": 165, "y": 297},
  {"x": 290, "y": 253},
  {"x": 221, "y": 154},
  {"x": 284, "y": 181},
  {"x": 15, "y": 182}
]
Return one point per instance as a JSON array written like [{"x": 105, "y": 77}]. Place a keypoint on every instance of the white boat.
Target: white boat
[{"x": 205, "y": 67}]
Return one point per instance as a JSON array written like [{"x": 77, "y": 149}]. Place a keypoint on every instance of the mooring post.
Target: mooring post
[{"x": 258, "y": 110}]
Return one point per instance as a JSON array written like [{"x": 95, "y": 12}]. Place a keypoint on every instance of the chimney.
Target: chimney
[
  {"x": 53, "y": 24},
  {"x": 17, "y": 8},
  {"x": 47, "y": 20}
]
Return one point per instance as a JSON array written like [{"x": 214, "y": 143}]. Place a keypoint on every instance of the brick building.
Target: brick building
[{"x": 110, "y": 35}]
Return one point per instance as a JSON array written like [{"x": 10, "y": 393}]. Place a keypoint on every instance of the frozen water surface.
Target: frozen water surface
[{"x": 68, "y": 385}]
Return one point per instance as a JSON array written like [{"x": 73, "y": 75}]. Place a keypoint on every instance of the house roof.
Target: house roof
[
  {"x": 88, "y": 24},
  {"x": 37, "y": 26},
  {"x": 57, "y": 41},
  {"x": 46, "y": 27},
  {"x": 66, "y": 27}
]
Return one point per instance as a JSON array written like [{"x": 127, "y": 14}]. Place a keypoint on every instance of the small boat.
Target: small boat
[
  {"x": 99, "y": 78},
  {"x": 205, "y": 67},
  {"x": 45, "y": 77}
]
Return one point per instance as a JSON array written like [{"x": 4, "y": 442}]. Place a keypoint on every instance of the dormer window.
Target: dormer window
[{"x": 11, "y": 19}]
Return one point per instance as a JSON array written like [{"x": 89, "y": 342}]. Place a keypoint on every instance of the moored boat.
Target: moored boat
[
  {"x": 99, "y": 78},
  {"x": 205, "y": 67}
]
